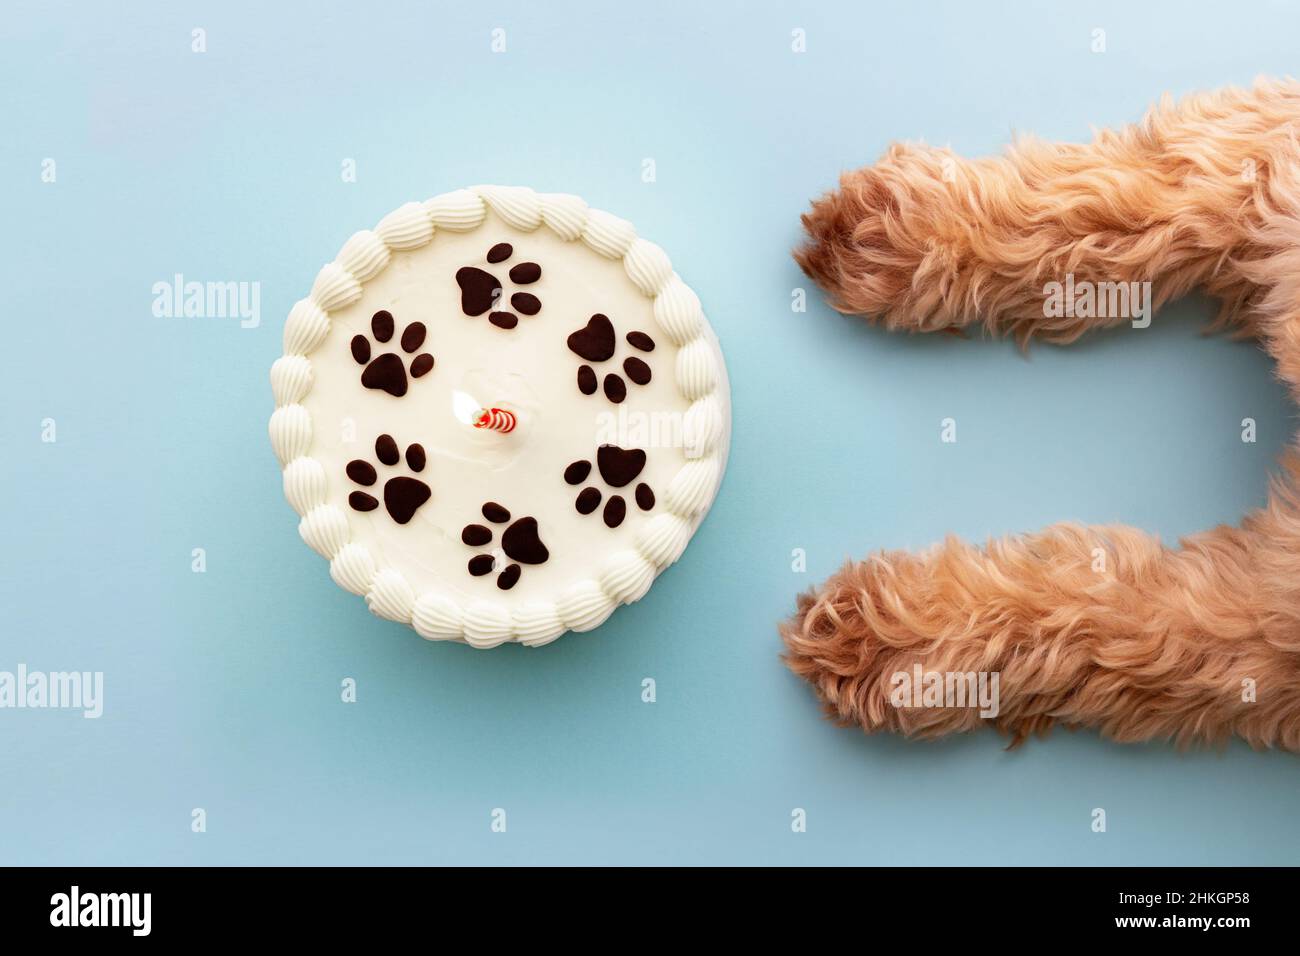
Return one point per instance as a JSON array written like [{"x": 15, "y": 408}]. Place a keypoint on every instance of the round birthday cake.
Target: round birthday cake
[{"x": 500, "y": 414}]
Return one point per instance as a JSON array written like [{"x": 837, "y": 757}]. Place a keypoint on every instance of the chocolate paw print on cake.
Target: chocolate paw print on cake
[
  {"x": 387, "y": 371},
  {"x": 520, "y": 544},
  {"x": 403, "y": 494},
  {"x": 596, "y": 342},
  {"x": 618, "y": 468},
  {"x": 481, "y": 291}
]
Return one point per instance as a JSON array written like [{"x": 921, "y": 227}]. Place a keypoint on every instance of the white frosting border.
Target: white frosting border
[{"x": 626, "y": 575}]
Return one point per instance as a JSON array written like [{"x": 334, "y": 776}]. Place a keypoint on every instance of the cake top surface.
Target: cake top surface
[{"x": 500, "y": 415}]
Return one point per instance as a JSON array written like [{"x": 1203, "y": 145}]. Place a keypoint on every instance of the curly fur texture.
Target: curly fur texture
[{"x": 1205, "y": 194}]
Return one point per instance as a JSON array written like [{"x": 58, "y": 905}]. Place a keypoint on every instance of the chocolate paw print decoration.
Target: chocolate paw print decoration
[
  {"x": 387, "y": 371},
  {"x": 481, "y": 291},
  {"x": 403, "y": 495},
  {"x": 520, "y": 544},
  {"x": 596, "y": 342},
  {"x": 618, "y": 467}
]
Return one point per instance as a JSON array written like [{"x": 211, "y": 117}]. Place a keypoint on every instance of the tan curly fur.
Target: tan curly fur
[{"x": 1204, "y": 193}]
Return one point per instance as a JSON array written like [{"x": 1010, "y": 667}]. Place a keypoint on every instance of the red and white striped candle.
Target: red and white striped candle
[{"x": 495, "y": 419}]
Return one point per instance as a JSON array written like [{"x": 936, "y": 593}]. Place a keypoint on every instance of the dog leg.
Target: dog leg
[{"x": 925, "y": 240}]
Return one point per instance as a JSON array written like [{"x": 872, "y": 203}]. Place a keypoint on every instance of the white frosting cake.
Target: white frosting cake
[{"x": 500, "y": 415}]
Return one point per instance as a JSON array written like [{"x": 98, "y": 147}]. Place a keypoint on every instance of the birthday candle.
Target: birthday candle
[{"x": 496, "y": 419}]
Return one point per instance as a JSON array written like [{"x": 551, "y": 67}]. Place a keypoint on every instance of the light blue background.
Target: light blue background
[{"x": 223, "y": 688}]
